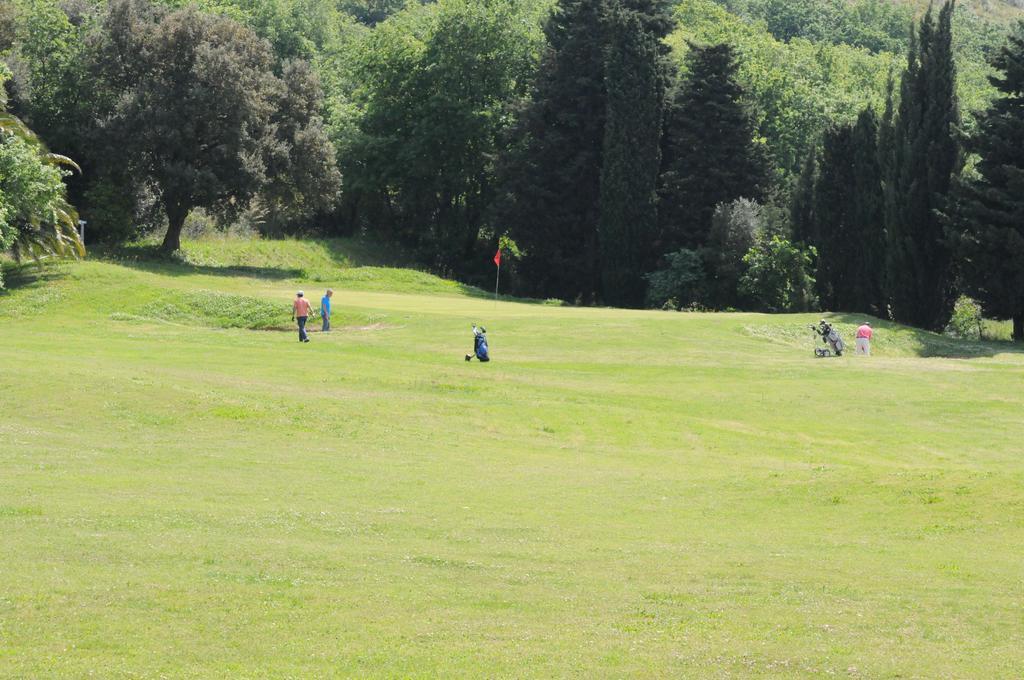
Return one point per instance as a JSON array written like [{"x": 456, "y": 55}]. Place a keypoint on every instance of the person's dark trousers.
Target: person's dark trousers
[
  {"x": 302, "y": 328},
  {"x": 327, "y": 322}
]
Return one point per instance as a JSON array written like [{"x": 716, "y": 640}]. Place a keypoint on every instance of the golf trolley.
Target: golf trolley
[{"x": 830, "y": 338}]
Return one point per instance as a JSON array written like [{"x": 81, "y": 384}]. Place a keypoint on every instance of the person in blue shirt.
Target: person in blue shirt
[{"x": 325, "y": 309}]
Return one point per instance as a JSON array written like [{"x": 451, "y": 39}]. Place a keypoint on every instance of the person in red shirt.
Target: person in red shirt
[
  {"x": 300, "y": 312},
  {"x": 864, "y": 334}
]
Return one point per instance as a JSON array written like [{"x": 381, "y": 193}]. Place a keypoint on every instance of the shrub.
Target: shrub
[
  {"x": 735, "y": 228},
  {"x": 967, "y": 321},
  {"x": 680, "y": 283},
  {"x": 778, "y": 276},
  {"x": 199, "y": 224}
]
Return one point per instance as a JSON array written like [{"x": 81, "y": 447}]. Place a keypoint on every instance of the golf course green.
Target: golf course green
[{"x": 188, "y": 491}]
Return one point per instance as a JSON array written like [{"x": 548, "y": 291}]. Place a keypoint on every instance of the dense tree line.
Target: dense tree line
[
  {"x": 900, "y": 227},
  {"x": 875, "y": 206},
  {"x": 580, "y": 185},
  {"x": 986, "y": 224},
  {"x": 698, "y": 153},
  {"x": 168, "y": 110},
  {"x": 877, "y": 25}
]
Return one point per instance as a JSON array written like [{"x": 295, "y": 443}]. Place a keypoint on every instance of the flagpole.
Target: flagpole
[{"x": 497, "y": 278}]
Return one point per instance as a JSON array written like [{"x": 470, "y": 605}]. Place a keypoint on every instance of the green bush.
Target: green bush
[
  {"x": 681, "y": 283},
  {"x": 735, "y": 228},
  {"x": 967, "y": 321},
  {"x": 778, "y": 276}
]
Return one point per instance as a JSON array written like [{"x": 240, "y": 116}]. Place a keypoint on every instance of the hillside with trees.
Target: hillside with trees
[{"x": 780, "y": 155}]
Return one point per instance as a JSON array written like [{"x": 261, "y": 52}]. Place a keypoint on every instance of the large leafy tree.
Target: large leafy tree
[
  {"x": 988, "y": 226},
  {"x": 302, "y": 179},
  {"x": 63, "y": 92},
  {"x": 437, "y": 83},
  {"x": 711, "y": 155},
  {"x": 196, "y": 109},
  {"x": 926, "y": 158}
]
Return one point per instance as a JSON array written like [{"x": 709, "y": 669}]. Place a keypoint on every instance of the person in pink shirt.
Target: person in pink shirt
[
  {"x": 864, "y": 334},
  {"x": 300, "y": 312}
]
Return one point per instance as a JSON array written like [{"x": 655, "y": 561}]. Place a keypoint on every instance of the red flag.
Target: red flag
[{"x": 497, "y": 258}]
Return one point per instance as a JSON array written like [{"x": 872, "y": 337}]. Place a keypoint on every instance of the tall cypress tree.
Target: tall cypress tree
[
  {"x": 886, "y": 165},
  {"x": 867, "y": 248},
  {"x": 833, "y": 229},
  {"x": 847, "y": 218},
  {"x": 926, "y": 157},
  {"x": 574, "y": 181},
  {"x": 635, "y": 76},
  {"x": 550, "y": 181},
  {"x": 988, "y": 223},
  {"x": 801, "y": 212},
  {"x": 711, "y": 155}
]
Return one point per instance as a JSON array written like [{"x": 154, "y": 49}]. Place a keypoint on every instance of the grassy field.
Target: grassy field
[{"x": 617, "y": 494}]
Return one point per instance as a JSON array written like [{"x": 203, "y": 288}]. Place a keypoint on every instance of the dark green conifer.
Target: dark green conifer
[
  {"x": 866, "y": 250},
  {"x": 988, "y": 226},
  {"x": 833, "y": 228},
  {"x": 847, "y": 218},
  {"x": 579, "y": 190},
  {"x": 635, "y": 79},
  {"x": 551, "y": 179},
  {"x": 711, "y": 155},
  {"x": 801, "y": 213},
  {"x": 926, "y": 157}
]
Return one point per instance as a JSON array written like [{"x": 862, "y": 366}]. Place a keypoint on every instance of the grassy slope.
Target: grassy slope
[{"x": 617, "y": 493}]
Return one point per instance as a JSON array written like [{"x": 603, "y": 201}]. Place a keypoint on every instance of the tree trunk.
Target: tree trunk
[
  {"x": 1018, "y": 327},
  {"x": 175, "y": 221}
]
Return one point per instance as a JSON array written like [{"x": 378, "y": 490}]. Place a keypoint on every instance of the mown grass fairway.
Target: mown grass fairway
[{"x": 617, "y": 494}]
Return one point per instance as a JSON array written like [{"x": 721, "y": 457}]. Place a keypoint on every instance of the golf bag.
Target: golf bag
[
  {"x": 480, "y": 350},
  {"x": 829, "y": 337}
]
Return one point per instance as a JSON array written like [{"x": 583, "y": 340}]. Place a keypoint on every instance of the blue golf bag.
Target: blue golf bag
[{"x": 479, "y": 345}]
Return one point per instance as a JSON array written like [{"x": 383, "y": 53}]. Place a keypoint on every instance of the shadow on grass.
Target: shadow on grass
[
  {"x": 359, "y": 252},
  {"x": 149, "y": 257},
  {"x": 28, "y": 274},
  {"x": 928, "y": 344}
]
